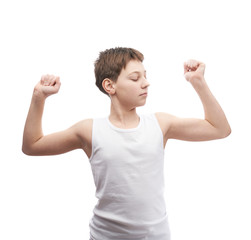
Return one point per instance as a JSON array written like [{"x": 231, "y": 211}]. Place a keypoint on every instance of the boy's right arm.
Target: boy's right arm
[{"x": 35, "y": 143}]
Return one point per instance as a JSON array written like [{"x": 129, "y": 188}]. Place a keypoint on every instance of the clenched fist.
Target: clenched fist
[
  {"x": 194, "y": 71},
  {"x": 48, "y": 85}
]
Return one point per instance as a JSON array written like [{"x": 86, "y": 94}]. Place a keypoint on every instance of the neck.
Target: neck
[{"x": 122, "y": 117}]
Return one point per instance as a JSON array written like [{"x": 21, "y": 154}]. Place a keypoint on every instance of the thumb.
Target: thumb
[{"x": 201, "y": 68}]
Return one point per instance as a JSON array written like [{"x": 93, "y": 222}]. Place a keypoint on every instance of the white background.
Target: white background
[{"x": 207, "y": 183}]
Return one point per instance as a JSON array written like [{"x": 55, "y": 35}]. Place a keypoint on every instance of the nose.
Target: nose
[{"x": 145, "y": 83}]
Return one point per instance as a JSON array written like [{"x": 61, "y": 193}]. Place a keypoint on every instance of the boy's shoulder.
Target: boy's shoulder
[{"x": 84, "y": 127}]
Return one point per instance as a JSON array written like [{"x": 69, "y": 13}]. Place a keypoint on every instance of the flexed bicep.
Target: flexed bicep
[
  {"x": 187, "y": 129},
  {"x": 75, "y": 137}
]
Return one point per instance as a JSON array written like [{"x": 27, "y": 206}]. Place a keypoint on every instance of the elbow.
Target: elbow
[
  {"x": 229, "y": 131},
  {"x": 27, "y": 151},
  {"x": 226, "y": 132}
]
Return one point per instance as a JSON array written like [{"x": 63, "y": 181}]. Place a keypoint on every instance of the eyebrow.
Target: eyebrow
[{"x": 136, "y": 72}]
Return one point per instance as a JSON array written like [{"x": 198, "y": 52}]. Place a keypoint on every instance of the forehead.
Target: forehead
[{"x": 134, "y": 66}]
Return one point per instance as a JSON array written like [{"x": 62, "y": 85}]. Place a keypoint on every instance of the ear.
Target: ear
[{"x": 108, "y": 86}]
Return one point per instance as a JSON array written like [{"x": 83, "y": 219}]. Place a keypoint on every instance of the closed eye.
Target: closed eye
[{"x": 134, "y": 77}]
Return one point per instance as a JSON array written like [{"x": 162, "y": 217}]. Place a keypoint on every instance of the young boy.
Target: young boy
[{"x": 126, "y": 151}]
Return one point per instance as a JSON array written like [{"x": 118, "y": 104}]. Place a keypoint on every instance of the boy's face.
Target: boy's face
[{"x": 131, "y": 86}]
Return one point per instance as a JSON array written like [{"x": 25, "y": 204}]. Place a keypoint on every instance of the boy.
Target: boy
[{"x": 125, "y": 150}]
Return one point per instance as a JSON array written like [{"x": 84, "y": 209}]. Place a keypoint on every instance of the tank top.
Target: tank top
[{"x": 127, "y": 167}]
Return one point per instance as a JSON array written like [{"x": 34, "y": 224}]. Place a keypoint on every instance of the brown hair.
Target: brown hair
[{"x": 111, "y": 61}]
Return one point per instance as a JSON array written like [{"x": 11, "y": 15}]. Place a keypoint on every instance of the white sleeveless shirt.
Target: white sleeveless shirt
[{"x": 127, "y": 166}]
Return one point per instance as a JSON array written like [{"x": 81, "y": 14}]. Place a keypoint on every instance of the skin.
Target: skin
[{"x": 126, "y": 94}]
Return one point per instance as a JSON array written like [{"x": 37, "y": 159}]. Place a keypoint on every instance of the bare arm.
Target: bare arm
[
  {"x": 213, "y": 126},
  {"x": 34, "y": 142}
]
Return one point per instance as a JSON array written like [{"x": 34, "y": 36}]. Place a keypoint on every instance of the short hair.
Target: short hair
[{"x": 111, "y": 61}]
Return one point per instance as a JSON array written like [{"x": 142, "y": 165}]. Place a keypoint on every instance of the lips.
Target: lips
[{"x": 143, "y": 94}]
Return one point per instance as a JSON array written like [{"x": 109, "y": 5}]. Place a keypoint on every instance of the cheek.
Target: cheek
[{"x": 130, "y": 90}]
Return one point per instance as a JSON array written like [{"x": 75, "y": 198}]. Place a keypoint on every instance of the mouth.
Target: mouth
[{"x": 143, "y": 94}]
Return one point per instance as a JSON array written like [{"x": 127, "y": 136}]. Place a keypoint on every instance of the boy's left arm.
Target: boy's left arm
[{"x": 213, "y": 126}]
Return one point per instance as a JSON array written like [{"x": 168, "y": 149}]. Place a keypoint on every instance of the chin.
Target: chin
[{"x": 142, "y": 104}]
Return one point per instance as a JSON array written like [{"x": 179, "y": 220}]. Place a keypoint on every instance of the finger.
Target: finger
[
  {"x": 52, "y": 80},
  {"x": 193, "y": 64},
  {"x": 42, "y": 80},
  {"x": 47, "y": 80},
  {"x": 201, "y": 67},
  {"x": 57, "y": 83},
  {"x": 57, "y": 79},
  {"x": 186, "y": 67}
]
